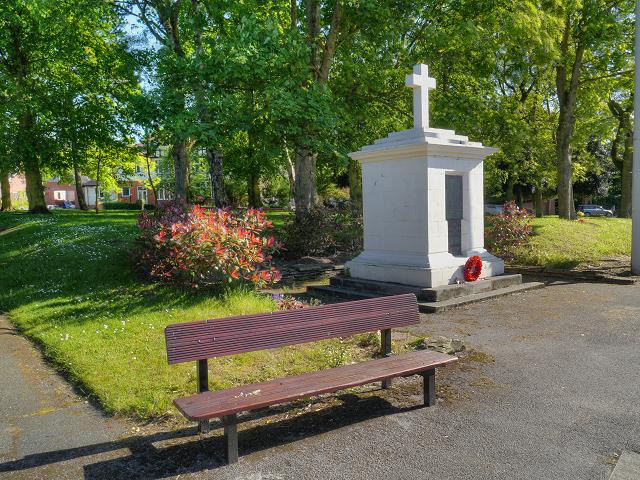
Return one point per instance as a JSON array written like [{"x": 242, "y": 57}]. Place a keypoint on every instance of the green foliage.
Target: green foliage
[
  {"x": 66, "y": 76},
  {"x": 323, "y": 231},
  {"x": 125, "y": 206}
]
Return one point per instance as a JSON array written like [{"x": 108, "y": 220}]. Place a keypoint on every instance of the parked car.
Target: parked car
[
  {"x": 595, "y": 211},
  {"x": 68, "y": 204},
  {"x": 493, "y": 209}
]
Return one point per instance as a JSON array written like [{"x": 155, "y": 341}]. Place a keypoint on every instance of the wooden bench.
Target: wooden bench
[{"x": 202, "y": 340}]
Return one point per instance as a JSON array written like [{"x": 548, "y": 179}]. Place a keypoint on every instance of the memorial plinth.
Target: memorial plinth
[{"x": 423, "y": 202}]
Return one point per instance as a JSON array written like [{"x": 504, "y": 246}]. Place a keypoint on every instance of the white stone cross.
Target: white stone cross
[{"x": 421, "y": 83}]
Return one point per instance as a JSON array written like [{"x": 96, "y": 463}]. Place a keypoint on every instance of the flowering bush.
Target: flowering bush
[
  {"x": 287, "y": 302},
  {"x": 508, "y": 232},
  {"x": 202, "y": 248}
]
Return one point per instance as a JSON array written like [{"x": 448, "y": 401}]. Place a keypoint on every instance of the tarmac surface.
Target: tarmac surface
[{"x": 549, "y": 388}]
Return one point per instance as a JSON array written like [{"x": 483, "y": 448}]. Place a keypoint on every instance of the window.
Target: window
[
  {"x": 139, "y": 170},
  {"x": 60, "y": 195},
  {"x": 126, "y": 191},
  {"x": 142, "y": 194},
  {"x": 164, "y": 194}
]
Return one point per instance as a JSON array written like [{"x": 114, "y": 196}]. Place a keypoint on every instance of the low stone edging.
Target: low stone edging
[{"x": 583, "y": 275}]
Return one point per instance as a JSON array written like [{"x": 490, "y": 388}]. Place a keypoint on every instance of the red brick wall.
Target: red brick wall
[
  {"x": 17, "y": 184},
  {"x": 51, "y": 187},
  {"x": 133, "y": 190}
]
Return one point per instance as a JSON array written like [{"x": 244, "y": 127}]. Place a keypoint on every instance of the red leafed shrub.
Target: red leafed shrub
[
  {"x": 201, "y": 248},
  {"x": 508, "y": 232}
]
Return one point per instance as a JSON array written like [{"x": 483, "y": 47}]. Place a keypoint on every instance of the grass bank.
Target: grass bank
[
  {"x": 66, "y": 280},
  {"x": 564, "y": 244}
]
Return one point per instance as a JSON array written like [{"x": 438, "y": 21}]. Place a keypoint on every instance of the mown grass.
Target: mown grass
[
  {"x": 564, "y": 243},
  {"x": 278, "y": 217},
  {"x": 67, "y": 282}
]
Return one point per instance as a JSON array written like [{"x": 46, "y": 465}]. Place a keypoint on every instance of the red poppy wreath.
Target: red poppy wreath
[{"x": 473, "y": 268}]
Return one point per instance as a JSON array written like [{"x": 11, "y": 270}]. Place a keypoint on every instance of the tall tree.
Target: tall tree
[
  {"x": 57, "y": 57},
  {"x": 593, "y": 41},
  {"x": 622, "y": 151},
  {"x": 163, "y": 20},
  {"x": 5, "y": 188}
]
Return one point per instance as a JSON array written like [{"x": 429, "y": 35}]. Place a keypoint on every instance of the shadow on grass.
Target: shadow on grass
[{"x": 166, "y": 454}]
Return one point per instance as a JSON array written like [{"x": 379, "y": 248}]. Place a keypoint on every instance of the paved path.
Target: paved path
[
  {"x": 39, "y": 412},
  {"x": 550, "y": 392},
  {"x": 627, "y": 468}
]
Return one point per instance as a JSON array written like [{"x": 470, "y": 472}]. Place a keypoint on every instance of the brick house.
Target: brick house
[
  {"x": 56, "y": 193},
  {"x": 17, "y": 187}
]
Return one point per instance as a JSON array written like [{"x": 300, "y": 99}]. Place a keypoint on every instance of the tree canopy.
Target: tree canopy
[{"x": 266, "y": 99}]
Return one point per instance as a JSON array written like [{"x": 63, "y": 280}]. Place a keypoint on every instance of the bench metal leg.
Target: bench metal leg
[
  {"x": 429, "y": 386},
  {"x": 231, "y": 438},
  {"x": 202, "y": 373},
  {"x": 204, "y": 427},
  {"x": 385, "y": 344}
]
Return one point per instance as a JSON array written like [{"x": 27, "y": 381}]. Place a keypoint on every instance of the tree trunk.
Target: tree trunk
[
  {"x": 519, "y": 195},
  {"x": 567, "y": 93},
  {"x": 153, "y": 185},
  {"x": 98, "y": 183},
  {"x": 566, "y": 207},
  {"x": 306, "y": 186},
  {"x": 626, "y": 177},
  {"x": 5, "y": 186},
  {"x": 82, "y": 202},
  {"x": 623, "y": 141},
  {"x": 509, "y": 194},
  {"x": 181, "y": 171},
  {"x": 538, "y": 201},
  {"x": 291, "y": 169},
  {"x": 354, "y": 172},
  {"x": 216, "y": 173},
  {"x": 32, "y": 174},
  {"x": 35, "y": 192},
  {"x": 253, "y": 189}
]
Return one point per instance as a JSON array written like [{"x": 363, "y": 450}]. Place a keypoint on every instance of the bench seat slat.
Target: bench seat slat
[{"x": 208, "y": 405}]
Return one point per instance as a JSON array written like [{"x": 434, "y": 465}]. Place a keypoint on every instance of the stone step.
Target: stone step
[
  {"x": 340, "y": 292},
  {"x": 448, "y": 292},
  {"x": 372, "y": 286},
  {"x": 426, "y": 307},
  {"x": 436, "y": 294},
  {"x": 435, "y": 307}
]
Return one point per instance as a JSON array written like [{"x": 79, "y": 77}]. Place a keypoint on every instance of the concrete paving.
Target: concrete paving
[
  {"x": 548, "y": 390},
  {"x": 627, "y": 468}
]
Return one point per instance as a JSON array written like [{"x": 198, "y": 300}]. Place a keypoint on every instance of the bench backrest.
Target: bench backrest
[{"x": 227, "y": 336}]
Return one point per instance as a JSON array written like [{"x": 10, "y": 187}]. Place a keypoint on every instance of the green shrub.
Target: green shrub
[
  {"x": 508, "y": 232},
  {"x": 322, "y": 231},
  {"x": 206, "y": 248},
  {"x": 125, "y": 206}
]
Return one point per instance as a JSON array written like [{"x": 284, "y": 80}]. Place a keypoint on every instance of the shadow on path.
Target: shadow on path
[{"x": 166, "y": 454}]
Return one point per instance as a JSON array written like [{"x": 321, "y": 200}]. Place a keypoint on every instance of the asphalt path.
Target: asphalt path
[{"x": 549, "y": 388}]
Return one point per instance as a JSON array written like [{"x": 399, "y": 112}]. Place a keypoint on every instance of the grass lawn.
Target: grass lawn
[
  {"x": 66, "y": 280},
  {"x": 564, "y": 243},
  {"x": 278, "y": 217}
]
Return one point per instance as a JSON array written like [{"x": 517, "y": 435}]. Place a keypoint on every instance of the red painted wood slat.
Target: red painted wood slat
[
  {"x": 249, "y": 397},
  {"x": 227, "y": 336}
]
